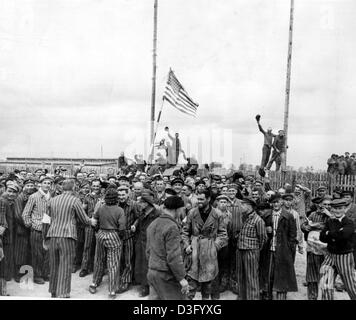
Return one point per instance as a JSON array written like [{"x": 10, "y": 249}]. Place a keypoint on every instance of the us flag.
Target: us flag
[{"x": 176, "y": 95}]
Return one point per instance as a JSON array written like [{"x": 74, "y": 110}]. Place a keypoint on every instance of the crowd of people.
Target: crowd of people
[
  {"x": 342, "y": 164},
  {"x": 174, "y": 235}
]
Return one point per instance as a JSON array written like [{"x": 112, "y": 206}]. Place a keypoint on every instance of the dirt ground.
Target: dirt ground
[{"x": 80, "y": 289}]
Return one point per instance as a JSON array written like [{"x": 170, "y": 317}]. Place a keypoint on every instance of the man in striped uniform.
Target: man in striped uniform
[
  {"x": 250, "y": 242},
  {"x": 63, "y": 212},
  {"x": 89, "y": 203},
  {"x": 127, "y": 260},
  {"x": 338, "y": 234},
  {"x": 32, "y": 216},
  {"x": 22, "y": 248},
  {"x": 315, "y": 255},
  {"x": 351, "y": 213},
  {"x": 235, "y": 207}
]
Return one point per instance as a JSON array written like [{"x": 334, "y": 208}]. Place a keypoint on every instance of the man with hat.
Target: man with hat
[
  {"x": 235, "y": 207},
  {"x": 288, "y": 200},
  {"x": 177, "y": 184},
  {"x": 22, "y": 248},
  {"x": 203, "y": 235},
  {"x": 7, "y": 200},
  {"x": 7, "y": 228},
  {"x": 200, "y": 186},
  {"x": 131, "y": 211},
  {"x": 148, "y": 213},
  {"x": 251, "y": 239},
  {"x": 32, "y": 215},
  {"x": 338, "y": 234},
  {"x": 277, "y": 260},
  {"x": 166, "y": 273},
  {"x": 312, "y": 227}
]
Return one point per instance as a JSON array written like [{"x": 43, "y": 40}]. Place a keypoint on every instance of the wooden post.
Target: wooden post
[
  {"x": 153, "y": 97},
  {"x": 289, "y": 63}
]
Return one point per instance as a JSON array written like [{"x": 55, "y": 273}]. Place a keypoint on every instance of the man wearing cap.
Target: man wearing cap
[
  {"x": 89, "y": 202},
  {"x": 312, "y": 227},
  {"x": 7, "y": 228},
  {"x": 131, "y": 211},
  {"x": 288, "y": 200},
  {"x": 166, "y": 273},
  {"x": 22, "y": 249},
  {"x": 277, "y": 260},
  {"x": 321, "y": 192},
  {"x": 338, "y": 234},
  {"x": 203, "y": 234},
  {"x": 147, "y": 215},
  {"x": 200, "y": 186},
  {"x": 279, "y": 149},
  {"x": 32, "y": 215},
  {"x": 251, "y": 239},
  {"x": 235, "y": 207},
  {"x": 267, "y": 145}
]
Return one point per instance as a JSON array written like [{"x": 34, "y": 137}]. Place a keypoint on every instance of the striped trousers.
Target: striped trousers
[
  {"x": 127, "y": 260},
  {"x": 22, "y": 251},
  {"x": 314, "y": 263},
  {"x": 61, "y": 257},
  {"x": 345, "y": 267},
  {"x": 89, "y": 249},
  {"x": 108, "y": 246},
  {"x": 248, "y": 274},
  {"x": 40, "y": 257}
]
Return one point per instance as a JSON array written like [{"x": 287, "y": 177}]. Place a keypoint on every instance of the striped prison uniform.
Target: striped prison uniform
[
  {"x": 64, "y": 211},
  {"x": 128, "y": 254},
  {"x": 32, "y": 215},
  {"x": 314, "y": 261},
  {"x": 338, "y": 234},
  {"x": 235, "y": 208},
  {"x": 111, "y": 221},
  {"x": 252, "y": 237},
  {"x": 22, "y": 249},
  {"x": 89, "y": 234},
  {"x": 3, "y": 223}
]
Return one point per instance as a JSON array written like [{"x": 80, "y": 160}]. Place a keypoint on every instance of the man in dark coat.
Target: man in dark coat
[
  {"x": 277, "y": 263},
  {"x": 350, "y": 213},
  {"x": 165, "y": 261},
  {"x": 148, "y": 214}
]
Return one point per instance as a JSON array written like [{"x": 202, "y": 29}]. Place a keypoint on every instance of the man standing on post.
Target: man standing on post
[
  {"x": 267, "y": 145},
  {"x": 32, "y": 216},
  {"x": 165, "y": 262},
  {"x": 250, "y": 242},
  {"x": 203, "y": 235},
  {"x": 279, "y": 151},
  {"x": 62, "y": 214},
  {"x": 277, "y": 269}
]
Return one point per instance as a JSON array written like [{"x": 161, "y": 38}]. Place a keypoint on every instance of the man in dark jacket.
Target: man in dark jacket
[
  {"x": 165, "y": 262},
  {"x": 277, "y": 263},
  {"x": 338, "y": 234}
]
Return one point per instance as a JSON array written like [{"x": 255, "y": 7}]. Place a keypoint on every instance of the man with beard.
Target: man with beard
[
  {"x": 22, "y": 249},
  {"x": 204, "y": 234},
  {"x": 32, "y": 215},
  {"x": 7, "y": 213},
  {"x": 147, "y": 215},
  {"x": 166, "y": 273},
  {"x": 89, "y": 203},
  {"x": 277, "y": 262},
  {"x": 131, "y": 211},
  {"x": 315, "y": 253}
]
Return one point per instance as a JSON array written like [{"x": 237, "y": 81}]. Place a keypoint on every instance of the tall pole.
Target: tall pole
[
  {"x": 289, "y": 63},
  {"x": 153, "y": 97}
]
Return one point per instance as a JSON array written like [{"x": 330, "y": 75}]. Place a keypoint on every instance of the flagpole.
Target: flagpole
[
  {"x": 289, "y": 63},
  {"x": 153, "y": 97}
]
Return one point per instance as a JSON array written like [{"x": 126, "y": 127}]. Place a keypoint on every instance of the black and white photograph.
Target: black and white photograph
[{"x": 179, "y": 150}]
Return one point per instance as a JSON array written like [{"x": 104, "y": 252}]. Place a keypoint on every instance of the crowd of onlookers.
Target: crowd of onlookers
[{"x": 342, "y": 164}]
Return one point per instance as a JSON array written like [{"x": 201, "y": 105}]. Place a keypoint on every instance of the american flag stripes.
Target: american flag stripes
[{"x": 176, "y": 95}]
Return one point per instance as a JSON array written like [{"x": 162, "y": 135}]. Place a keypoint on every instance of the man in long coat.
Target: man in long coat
[
  {"x": 203, "y": 234},
  {"x": 148, "y": 214},
  {"x": 277, "y": 259}
]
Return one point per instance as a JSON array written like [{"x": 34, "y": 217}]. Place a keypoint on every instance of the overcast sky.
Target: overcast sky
[{"x": 76, "y": 74}]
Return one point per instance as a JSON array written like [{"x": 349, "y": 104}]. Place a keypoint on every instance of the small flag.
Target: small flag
[{"x": 178, "y": 97}]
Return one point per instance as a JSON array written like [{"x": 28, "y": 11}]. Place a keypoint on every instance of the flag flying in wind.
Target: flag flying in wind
[{"x": 178, "y": 97}]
